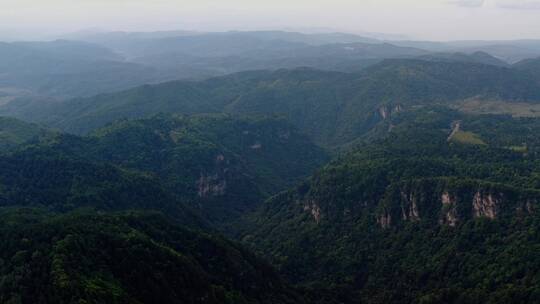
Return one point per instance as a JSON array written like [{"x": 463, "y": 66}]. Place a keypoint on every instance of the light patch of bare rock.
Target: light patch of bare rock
[
  {"x": 387, "y": 111},
  {"x": 409, "y": 210},
  {"x": 314, "y": 209},
  {"x": 486, "y": 204},
  {"x": 449, "y": 203},
  {"x": 385, "y": 220},
  {"x": 211, "y": 185}
]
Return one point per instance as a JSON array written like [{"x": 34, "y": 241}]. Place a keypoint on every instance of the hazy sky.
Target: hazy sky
[{"x": 420, "y": 19}]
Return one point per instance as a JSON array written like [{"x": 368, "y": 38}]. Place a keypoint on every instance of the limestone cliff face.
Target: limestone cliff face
[
  {"x": 314, "y": 208},
  {"x": 436, "y": 201},
  {"x": 211, "y": 185},
  {"x": 387, "y": 111},
  {"x": 531, "y": 205},
  {"x": 486, "y": 204},
  {"x": 449, "y": 209},
  {"x": 215, "y": 183},
  {"x": 385, "y": 219},
  {"x": 409, "y": 207}
]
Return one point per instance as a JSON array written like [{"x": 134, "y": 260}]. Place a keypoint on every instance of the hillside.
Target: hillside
[
  {"x": 68, "y": 69},
  {"x": 204, "y": 44},
  {"x": 476, "y": 57},
  {"x": 345, "y": 57},
  {"x": 216, "y": 164},
  {"x": 415, "y": 216},
  {"x": 14, "y": 132},
  {"x": 332, "y": 108},
  {"x": 126, "y": 258},
  {"x": 201, "y": 172},
  {"x": 529, "y": 65},
  {"x": 50, "y": 178},
  {"x": 110, "y": 62}
]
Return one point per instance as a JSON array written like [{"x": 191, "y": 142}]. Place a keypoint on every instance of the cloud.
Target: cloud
[
  {"x": 519, "y": 4},
  {"x": 468, "y": 3}
]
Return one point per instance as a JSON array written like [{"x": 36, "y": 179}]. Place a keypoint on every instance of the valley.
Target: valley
[{"x": 268, "y": 167}]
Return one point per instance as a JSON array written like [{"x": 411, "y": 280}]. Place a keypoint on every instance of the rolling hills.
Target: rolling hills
[
  {"x": 67, "y": 69},
  {"x": 132, "y": 211},
  {"x": 126, "y": 258},
  {"x": 414, "y": 179},
  {"x": 333, "y": 108},
  {"x": 218, "y": 165},
  {"x": 14, "y": 132}
]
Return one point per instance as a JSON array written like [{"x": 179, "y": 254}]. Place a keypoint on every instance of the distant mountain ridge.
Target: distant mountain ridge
[
  {"x": 101, "y": 62},
  {"x": 476, "y": 57}
]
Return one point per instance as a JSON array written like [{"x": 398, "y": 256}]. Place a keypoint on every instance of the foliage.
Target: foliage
[
  {"x": 86, "y": 257},
  {"x": 394, "y": 220},
  {"x": 332, "y": 108},
  {"x": 220, "y": 165},
  {"x": 14, "y": 132}
]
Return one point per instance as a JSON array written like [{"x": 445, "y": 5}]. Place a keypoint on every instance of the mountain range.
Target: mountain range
[{"x": 162, "y": 168}]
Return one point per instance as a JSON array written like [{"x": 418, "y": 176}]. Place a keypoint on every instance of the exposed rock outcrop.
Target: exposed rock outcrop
[
  {"x": 314, "y": 209},
  {"x": 387, "y": 111},
  {"x": 409, "y": 207},
  {"x": 449, "y": 210},
  {"x": 220, "y": 158},
  {"x": 211, "y": 185},
  {"x": 385, "y": 220},
  {"x": 456, "y": 126},
  {"x": 451, "y": 202},
  {"x": 486, "y": 204}
]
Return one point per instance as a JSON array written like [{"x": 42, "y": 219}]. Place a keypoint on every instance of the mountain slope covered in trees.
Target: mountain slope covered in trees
[
  {"x": 221, "y": 165},
  {"x": 14, "y": 132},
  {"x": 86, "y": 257},
  {"x": 201, "y": 172},
  {"x": 68, "y": 69},
  {"x": 332, "y": 108},
  {"x": 421, "y": 215},
  {"x": 425, "y": 201}
]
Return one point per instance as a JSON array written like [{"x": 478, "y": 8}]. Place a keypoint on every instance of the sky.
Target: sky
[{"x": 417, "y": 19}]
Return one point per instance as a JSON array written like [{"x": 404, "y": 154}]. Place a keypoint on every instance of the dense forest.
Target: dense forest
[
  {"x": 88, "y": 257},
  {"x": 333, "y": 108},
  {"x": 345, "y": 170},
  {"x": 412, "y": 209}
]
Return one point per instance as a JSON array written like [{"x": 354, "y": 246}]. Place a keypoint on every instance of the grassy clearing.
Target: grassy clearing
[
  {"x": 469, "y": 138},
  {"x": 516, "y": 109},
  {"x": 519, "y": 149}
]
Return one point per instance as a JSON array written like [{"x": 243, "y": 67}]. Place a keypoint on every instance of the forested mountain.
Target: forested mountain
[
  {"x": 107, "y": 62},
  {"x": 126, "y": 258},
  {"x": 510, "y": 51},
  {"x": 202, "y": 172},
  {"x": 49, "y": 178},
  {"x": 203, "y": 44},
  {"x": 219, "y": 165},
  {"x": 14, "y": 132},
  {"x": 114, "y": 61},
  {"x": 476, "y": 57},
  {"x": 143, "y": 44},
  {"x": 346, "y": 57},
  {"x": 431, "y": 196},
  {"x": 420, "y": 215},
  {"x": 332, "y": 108},
  {"x": 67, "y": 68},
  {"x": 530, "y": 65}
]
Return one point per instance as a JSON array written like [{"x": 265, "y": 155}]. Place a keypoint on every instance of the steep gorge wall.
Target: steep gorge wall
[{"x": 450, "y": 202}]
